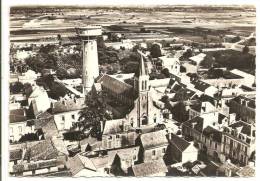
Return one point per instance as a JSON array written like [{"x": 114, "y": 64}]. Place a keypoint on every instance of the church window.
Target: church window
[
  {"x": 142, "y": 85},
  {"x": 145, "y": 85}
]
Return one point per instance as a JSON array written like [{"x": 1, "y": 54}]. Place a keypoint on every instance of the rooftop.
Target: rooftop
[
  {"x": 246, "y": 171},
  {"x": 113, "y": 126},
  {"x": 149, "y": 168},
  {"x": 242, "y": 127},
  {"x": 213, "y": 133},
  {"x": 197, "y": 122},
  {"x": 154, "y": 139},
  {"x": 179, "y": 142},
  {"x": 17, "y": 115},
  {"x": 111, "y": 83},
  {"x": 68, "y": 105}
]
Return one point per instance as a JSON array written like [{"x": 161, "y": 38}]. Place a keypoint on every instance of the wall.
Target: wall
[
  {"x": 148, "y": 154},
  {"x": 68, "y": 120}
]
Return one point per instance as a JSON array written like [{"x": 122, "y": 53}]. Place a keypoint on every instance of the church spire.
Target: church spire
[{"x": 142, "y": 68}]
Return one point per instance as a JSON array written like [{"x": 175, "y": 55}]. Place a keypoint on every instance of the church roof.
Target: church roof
[
  {"x": 115, "y": 85},
  {"x": 142, "y": 68}
]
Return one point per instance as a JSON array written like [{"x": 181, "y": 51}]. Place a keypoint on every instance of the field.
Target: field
[{"x": 50, "y": 22}]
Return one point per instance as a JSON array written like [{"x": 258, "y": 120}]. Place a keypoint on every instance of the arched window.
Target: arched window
[
  {"x": 145, "y": 85},
  {"x": 142, "y": 85}
]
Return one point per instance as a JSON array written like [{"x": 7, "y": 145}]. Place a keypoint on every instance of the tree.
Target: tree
[
  {"x": 179, "y": 112},
  {"x": 166, "y": 72},
  {"x": 92, "y": 115},
  {"x": 245, "y": 50},
  {"x": 155, "y": 51},
  {"x": 17, "y": 87}
]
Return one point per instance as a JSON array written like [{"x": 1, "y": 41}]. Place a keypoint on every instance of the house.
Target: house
[
  {"x": 206, "y": 132},
  {"x": 117, "y": 134},
  {"x": 18, "y": 124},
  {"x": 151, "y": 168},
  {"x": 248, "y": 79},
  {"x": 67, "y": 112},
  {"x": 181, "y": 150},
  {"x": 29, "y": 77},
  {"x": 212, "y": 144},
  {"x": 200, "y": 108},
  {"x": 239, "y": 142},
  {"x": 171, "y": 63},
  {"x": 38, "y": 101},
  {"x": 194, "y": 65},
  {"x": 124, "y": 159},
  {"x": 80, "y": 165},
  {"x": 244, "y": 107},
  {"x": 205, "y": 88},
  {"x": 46, "y": 124},
  {"x": 40, "y": 157},
  {"x": 153, "y": 146}
]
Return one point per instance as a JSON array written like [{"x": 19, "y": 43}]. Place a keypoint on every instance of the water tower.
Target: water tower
[{"x": 90, "y": 69}]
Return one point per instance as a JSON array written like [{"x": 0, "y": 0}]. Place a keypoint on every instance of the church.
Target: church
[{"x": 131, "y": 98}]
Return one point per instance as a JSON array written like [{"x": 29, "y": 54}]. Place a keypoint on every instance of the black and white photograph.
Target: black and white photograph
[{"x": 130, "y": 90}]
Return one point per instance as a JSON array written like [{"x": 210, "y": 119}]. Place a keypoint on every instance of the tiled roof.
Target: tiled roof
[
  {"x": 75, "y": 164},
  {"x": 15, "y": 154},
  {"x": 179, "y": 142},
  {"x": 154, "y": 139},
  {"x": 125, "y": 153},
  {"x": 115, "y": 85},
  {"x": 213, "y": 133},
  {"x": 68, "y": 105},
  {"x": 44, "y": 150},
  {"x": 17, "y": 115},
  {"x": 102, "y": 161},
  {"x": 196, "y": 106},
  {"x": 183, "y": 94},
  {"x": 228, "y": 166},
  {"x": 239, "y": 99},
  {"x": 246, "y": 171},
  {"x": 246, "y": 127},
  {"x": 201, "y": 86},
  {"x": 197, "y": 122},
  {"x": 210, "y": 170},
  {"x": 149, "y": 168}
]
